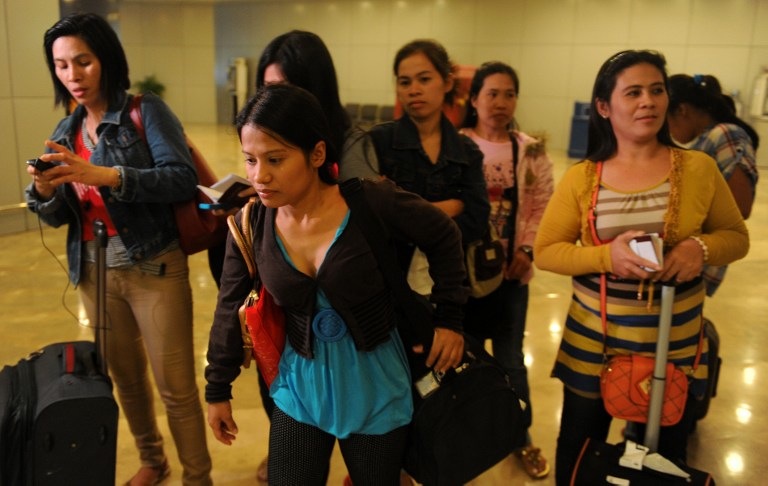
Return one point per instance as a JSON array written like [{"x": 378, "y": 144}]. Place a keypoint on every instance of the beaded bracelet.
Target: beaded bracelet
[
  {"x": 119, "y": 182},
  {"x": 703, "y": 246}
]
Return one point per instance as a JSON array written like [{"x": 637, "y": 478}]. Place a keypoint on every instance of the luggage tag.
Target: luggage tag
[
  {"x": 634, "y": 455},
  {"x": 428, "y": 383}
]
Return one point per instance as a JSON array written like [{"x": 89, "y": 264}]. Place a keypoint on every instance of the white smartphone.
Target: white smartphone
[{"x": 649, "y": 247}]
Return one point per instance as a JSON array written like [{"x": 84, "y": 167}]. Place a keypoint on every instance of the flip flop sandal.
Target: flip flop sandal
[{"x": 533, "y": 462}]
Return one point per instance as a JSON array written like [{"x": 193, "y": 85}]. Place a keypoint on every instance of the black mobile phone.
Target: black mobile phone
[{"x": 41, "y": 165}]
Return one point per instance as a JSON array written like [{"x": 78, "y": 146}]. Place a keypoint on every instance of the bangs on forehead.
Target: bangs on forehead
[
  {"x": 622, "y": 75},
  {"x": 274, "y": 135}
]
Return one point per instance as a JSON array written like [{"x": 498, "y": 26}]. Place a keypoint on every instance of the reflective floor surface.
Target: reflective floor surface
[{"x": 730, "y": 442}]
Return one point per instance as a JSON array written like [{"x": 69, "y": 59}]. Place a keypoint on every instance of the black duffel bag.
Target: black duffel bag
[{"x": 471, "y": 420}]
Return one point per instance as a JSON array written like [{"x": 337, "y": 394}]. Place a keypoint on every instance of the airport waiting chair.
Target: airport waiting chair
[
  {"x": 353, "y": 109},
  {"x": 368, "y": 114},
  {"x": 386, "y": 113}
]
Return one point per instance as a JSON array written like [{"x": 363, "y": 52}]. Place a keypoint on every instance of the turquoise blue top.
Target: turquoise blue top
[{"x": 343, "y": 391}]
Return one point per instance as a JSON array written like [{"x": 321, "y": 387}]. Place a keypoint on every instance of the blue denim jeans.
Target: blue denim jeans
[{"x": 500, "y": 316}]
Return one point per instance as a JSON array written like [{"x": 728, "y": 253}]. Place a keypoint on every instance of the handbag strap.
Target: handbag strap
[
  {"x": 135, "y": 113},
  {"x": 592, "y": 219},
  {"x": 205, "y": 175},
  {"x": 373, "y": 231},
  {"x": 243, "y": 236},
  {"x": 514, "y": 189},
  {"x": 512, "y": 195}
]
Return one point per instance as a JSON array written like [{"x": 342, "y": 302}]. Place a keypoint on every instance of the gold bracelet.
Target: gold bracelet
[
  {"x": 119, "y": 183},
  {"x": 703, "y": 246}
]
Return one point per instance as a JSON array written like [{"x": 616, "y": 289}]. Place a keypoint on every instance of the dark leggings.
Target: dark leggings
[
  {"x": 266, "y": 400},
  {"x": 300, "y": 454},
  {"x": 586, "y": 417}
]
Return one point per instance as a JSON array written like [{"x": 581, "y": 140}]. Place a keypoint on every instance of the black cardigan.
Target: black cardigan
[{"x": 349, "y": 277}]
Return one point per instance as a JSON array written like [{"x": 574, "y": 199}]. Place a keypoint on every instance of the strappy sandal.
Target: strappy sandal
[
  {"x": 533, "y": 462},
  {"x": 160, "y": 473}
]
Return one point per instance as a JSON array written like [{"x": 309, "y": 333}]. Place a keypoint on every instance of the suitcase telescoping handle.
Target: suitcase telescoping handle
[
  {"x": 100, "y": 233},
  {"x": 660, "y": 368}
]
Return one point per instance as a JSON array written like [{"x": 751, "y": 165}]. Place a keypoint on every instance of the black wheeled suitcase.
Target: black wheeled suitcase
[
  {"x": 602, "y": 464},
  {"x": 714, "y": 364},
  {"x": 58, "y": 417}
]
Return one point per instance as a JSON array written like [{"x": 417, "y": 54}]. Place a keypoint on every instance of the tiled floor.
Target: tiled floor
[{"x": 730, "y": 442}]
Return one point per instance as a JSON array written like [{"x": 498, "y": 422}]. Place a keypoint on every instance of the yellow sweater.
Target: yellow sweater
[{"x": 706, "y": 207}]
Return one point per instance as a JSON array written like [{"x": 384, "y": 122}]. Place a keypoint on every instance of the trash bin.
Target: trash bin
[{"x": 577, "y": 148}]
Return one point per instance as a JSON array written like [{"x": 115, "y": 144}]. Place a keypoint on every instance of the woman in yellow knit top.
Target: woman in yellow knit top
[{"x": 634, "y": 181}]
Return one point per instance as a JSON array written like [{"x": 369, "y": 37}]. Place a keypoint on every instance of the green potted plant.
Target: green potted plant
[{"x": 150, "y": 84}]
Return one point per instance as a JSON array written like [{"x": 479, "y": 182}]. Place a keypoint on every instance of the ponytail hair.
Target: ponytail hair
[{"x": 703, "y": 91}]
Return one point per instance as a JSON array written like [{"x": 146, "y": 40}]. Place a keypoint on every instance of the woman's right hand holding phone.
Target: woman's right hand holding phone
[{"x": 37, "y": 169}]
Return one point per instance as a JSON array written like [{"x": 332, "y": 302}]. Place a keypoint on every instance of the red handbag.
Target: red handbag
[
  {"x": 198, "y": 229},
  {"x": 265, "y": 324},
  {"x": 262, "y": 321}
]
